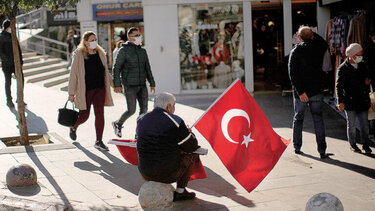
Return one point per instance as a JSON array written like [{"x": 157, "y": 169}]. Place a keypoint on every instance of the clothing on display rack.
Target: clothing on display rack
[{"x": 357, "y": 30}]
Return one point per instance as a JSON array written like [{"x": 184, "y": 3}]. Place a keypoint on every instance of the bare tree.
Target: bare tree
[{"x": 10, "y": 9}]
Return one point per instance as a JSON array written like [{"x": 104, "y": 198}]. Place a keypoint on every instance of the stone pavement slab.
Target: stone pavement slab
[{"x": 83, "y": 178}]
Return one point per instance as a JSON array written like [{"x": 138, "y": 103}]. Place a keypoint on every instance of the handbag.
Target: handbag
[{"x": 67, "y": 117}]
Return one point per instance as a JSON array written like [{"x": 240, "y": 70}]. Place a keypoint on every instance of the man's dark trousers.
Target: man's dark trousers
[
  {"x": 8, "y": 70},
  {"x": 133, "y": 94},
  {"x": 180, "y": 175},
  {"x": 315, "y": 103}
]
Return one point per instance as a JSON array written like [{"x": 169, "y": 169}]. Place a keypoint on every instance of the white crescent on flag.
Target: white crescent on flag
[{"x": 225, "y": 121}]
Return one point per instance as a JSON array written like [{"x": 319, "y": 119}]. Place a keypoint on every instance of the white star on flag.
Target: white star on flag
[{"x": 247, "y": 140}]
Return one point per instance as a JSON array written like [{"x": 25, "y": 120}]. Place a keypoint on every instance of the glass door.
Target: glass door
[{"x": 268, "y": 41}]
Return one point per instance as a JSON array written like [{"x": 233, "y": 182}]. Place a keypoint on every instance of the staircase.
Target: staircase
[
  {"x": 39, "y": 66},
  {"x": 46, "y": 71}
]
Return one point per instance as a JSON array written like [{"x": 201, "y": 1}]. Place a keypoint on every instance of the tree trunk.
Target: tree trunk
[{"x": 22, "y": 126}]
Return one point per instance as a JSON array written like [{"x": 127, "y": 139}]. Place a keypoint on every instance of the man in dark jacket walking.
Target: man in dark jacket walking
[
  {"x": 352, "y": 90},
  {"x": 131, "y": 69},
  {"x": 306, "y": 75},
  {"x": 7, "y": 60},
  {"x": 165, "y": 147}
]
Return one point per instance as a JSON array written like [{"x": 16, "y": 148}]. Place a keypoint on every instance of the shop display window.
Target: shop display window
[{"x": 211, "y": 40}]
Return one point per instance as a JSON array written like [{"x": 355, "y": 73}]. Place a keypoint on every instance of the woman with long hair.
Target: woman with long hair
[{"x": 89, "y": 84}]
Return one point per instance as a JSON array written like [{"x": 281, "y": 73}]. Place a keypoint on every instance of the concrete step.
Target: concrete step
[
  {"x": 41, "y": 63},
  {"x": 49, "y": 75},
  {"x": 64, "y": 89},
  {"x": 28, "y": 54},
  {"x": 43, "y": 69},
  {"x": 57, "y": 82},
  {"x": 34, "y": 59}
]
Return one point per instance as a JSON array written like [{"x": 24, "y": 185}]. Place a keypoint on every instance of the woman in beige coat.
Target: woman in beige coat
[{"x": 89, "y": 83}]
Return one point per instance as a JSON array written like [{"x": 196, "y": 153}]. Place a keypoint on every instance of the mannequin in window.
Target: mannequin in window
[
  {"x": 238, "y": 41},
  {"x": 222, "y": 78},
  {"x": 238, "y": 72}
]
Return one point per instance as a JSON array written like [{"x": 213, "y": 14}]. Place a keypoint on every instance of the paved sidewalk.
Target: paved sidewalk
[{"x": 83, "y": 178}]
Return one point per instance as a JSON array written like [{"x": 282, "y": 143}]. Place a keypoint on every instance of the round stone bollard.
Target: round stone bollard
[
  {"x": 156, "y": 196},
  {"x": 21, "y": 175},
  {"x": 324, "y": 202}
]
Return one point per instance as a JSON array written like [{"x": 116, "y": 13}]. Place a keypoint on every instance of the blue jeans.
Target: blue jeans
[
  {"x": 315, "y": 103},
  {"x": 362, "y": 117},
  {"x": 132, "y": 94}
]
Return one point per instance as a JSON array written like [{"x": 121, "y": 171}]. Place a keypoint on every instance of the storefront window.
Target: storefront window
[{"x": 211, "y": 45}]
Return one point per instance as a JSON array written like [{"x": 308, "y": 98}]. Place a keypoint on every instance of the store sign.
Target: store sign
[
  {"x": 62, "y": 17},
  {"x": 118, "y": 11}
]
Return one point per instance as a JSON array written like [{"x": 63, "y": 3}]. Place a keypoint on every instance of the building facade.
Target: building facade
[{"x": 202, "y": 46}]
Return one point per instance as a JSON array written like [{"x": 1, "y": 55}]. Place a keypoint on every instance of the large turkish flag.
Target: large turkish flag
[{"x": 241, "y": 136}]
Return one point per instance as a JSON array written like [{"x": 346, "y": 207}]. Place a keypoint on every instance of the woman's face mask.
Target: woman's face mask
[
  {"x": 9, "y": 30},
  {"x": 358, "y": 59},
  {"x": 93, "y": 44}
]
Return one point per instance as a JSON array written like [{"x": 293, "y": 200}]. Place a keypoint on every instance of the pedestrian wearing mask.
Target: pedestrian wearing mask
[
  {"x": 352, "y": 90},
  {"x": 89, "y": 84},
  {"x": 7, "y": 60},
  {"x": 130, "y": 72}
]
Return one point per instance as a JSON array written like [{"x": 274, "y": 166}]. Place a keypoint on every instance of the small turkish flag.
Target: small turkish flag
[
  {"x": 128, "y": 150},
  {"x": 241, "y": 136}
]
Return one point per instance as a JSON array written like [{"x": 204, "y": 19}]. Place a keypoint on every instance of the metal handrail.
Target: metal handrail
[
  {"x": 29, "y": 13},
  {"x": 40, "y": 21},
  {"x": 44, "y": 46}
]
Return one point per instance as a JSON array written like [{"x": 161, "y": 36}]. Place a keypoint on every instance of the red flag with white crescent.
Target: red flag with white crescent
[{"x": 241, "y": 136}]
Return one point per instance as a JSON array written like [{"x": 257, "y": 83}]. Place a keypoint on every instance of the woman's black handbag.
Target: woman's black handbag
[{"x": 67, "y": 117}]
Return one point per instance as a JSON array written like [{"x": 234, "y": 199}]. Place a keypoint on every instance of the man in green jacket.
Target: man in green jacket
[{"x": 131, "y": 70}]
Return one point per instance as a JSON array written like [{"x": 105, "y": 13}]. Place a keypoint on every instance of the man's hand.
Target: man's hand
[
  {"x": 367, "y": 81},
  {"x": 303, "y": 97},
  {"x": 71, "y": 98},
  {"x": 152, "y": 90},
  {"x": 341, "y": 107},
  {"x": 118, "y": 89}
]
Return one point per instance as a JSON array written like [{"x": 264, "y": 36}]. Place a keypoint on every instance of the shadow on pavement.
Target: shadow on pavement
[
  {"x": 217, "y": 186},
  {"x": 31, "y": 153},
  {"x": 353, "y": 167},
  {"x": 198, "y": 204},
  {"x": 118, "y": 172},
  {"x": 279, "y": 112},
  {"x": 35, "y": 124},
  {"x": 25, "y": 191}
]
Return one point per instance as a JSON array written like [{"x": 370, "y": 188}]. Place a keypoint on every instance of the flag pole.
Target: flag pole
[{"x": 225, "y": 91}]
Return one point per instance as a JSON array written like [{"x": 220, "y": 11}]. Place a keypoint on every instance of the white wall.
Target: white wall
[
  {"x": 249, "y": 63},
  {"x": 161, "y": 29},
  {"x": 323, "y": 15},
  {"x": 288, "y": 34}
]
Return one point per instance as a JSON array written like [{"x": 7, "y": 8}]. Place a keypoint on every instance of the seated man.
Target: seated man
[{"x": 165, "y": 147}]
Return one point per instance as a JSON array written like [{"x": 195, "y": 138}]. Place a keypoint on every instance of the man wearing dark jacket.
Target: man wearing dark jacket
[
  {"x": 352, "y": 90},
  {"x": 7, "y": 59},
  {"x": 306, "y": 75},
  {"x": 165, "y": 147},
  {"x": 131, "y": 69}
]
